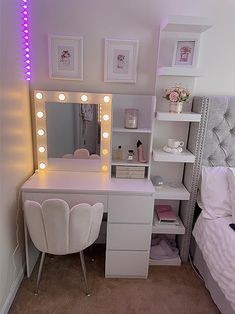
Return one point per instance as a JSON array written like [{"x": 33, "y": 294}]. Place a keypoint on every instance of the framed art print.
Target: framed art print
[
  {"x": 120, "y": 60},
  {"x": 185, "y": 52},
  {"x": 65, "y": 57}
]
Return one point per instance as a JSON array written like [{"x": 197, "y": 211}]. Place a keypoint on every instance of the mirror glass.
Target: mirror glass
[{"x": 70, "y": 127}]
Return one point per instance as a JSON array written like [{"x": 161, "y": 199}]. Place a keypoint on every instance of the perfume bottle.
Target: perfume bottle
[
  {"x": 140, "y": 150},
  {"x": 119, "y": 153},
  {"x": 130, "y": 156}
]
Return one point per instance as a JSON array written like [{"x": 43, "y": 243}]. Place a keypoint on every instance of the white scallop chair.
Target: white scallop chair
[{"x": 56, "y": 229}]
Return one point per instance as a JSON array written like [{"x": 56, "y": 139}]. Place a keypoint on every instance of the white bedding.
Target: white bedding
[{"x": 216, "y": 240}]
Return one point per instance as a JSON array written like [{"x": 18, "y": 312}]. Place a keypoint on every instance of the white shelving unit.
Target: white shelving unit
[
  {"x": 127, "y": 138},
  {"x": 162, "y": 228},
  {"x": 172, "y": 192},
  {"x": 171, "y": 125},
  {"x": 176, "y": 27},
  {"x": 139, "y": 130},
  {"x": 184, "y": 116},
  {"x": 177, "y": 71},
  {"x": 184, "y": 156},
  {"x": 167, "y": 262}
]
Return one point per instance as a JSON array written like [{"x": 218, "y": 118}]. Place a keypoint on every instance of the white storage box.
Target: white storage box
[{"x": 128, "y": 172}]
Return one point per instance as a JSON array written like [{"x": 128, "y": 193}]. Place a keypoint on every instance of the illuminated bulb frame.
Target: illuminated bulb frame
[{"x": 74, "y": 97}]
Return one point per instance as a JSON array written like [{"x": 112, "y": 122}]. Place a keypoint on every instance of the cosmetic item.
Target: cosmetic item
[
  {"x": 131, "y": 154},
  {"x": 140, "y": 150},
  {"x": 131, "y": 118},
  {"x": 119, "y": 153}
]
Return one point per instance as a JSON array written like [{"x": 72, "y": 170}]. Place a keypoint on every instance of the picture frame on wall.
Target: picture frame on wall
[
  {"x": 185, "y": 52},
  {"x": 65, "y": 57},
  {"x": 120, "y": 60}
]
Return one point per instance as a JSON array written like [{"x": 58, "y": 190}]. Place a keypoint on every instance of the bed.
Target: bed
[{"x": 214, "y": 251}]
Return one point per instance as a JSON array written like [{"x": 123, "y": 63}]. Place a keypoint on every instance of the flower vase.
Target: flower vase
[{"x": 176, "y": 107}]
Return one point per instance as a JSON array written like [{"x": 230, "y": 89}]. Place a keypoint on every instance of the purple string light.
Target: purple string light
[{"x": 25, "y": 31}]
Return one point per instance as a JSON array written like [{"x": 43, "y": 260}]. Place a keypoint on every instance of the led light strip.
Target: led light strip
[
  {"x": 105, "y": 102},
  {"x": 25, "y": 31}
]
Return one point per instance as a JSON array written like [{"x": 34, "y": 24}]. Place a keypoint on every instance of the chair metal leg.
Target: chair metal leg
[
  {"x": 84, "y": 273},
  {"x": 40, "y": 272}
]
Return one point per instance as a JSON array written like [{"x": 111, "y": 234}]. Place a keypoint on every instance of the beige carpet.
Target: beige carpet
[{"x": 167, "y": 290}]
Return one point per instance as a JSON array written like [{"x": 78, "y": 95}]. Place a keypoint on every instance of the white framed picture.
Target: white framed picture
[
  {"x": 120, "y": 60},
  {"x": 65, "y": 57},
  {"x": 185, "y": 52}
]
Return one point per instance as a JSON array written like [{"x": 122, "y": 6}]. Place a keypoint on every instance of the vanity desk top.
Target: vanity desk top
[{"x": 85, "y": 182}]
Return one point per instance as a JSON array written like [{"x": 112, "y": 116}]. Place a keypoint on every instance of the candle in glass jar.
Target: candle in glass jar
[{"x": 131, "y": 118}]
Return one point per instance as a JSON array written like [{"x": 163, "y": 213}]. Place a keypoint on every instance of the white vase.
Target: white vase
[{"x": 176, "y": 107}]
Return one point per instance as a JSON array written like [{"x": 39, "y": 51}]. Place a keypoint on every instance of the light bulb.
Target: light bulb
[
  {"x": 105, "y": 117},
  {"x": 61, "y": 97},
  {"x": 40, "y": 114},
  {"x": 104, "y": 168},
  {"x": 42, "y": 165},
  {"x": 84, "y": 98},
  {"x": 105, "y": 135},
  {"x": 104, "y": 151},
  {"x": 42, "y": 149},
  {"x": 39, "y": 96},
  {"x": 106, "y": 98},
  {"x": 41, "y": 132}
]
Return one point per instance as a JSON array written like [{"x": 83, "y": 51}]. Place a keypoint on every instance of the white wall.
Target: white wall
[
  {"x": 132, "y": 19},
  {"x": 15, "y": 147}
]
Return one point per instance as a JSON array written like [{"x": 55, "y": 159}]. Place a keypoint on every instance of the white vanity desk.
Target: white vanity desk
[{"x": 128, "y": 202}]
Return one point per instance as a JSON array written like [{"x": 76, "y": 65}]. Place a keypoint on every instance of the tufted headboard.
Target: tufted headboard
[
  {"x": 213, "y": 144},
  {"x": 219, "y": 142}
]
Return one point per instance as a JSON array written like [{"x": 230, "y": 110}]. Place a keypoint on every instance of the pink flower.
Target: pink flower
[{"x": 174, "y": 96}]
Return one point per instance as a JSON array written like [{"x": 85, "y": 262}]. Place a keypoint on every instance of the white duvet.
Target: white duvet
[{"x": 217, "y": 242}]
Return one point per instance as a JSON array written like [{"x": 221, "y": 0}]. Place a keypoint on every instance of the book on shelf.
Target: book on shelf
[{"x": 165, "y": 214}]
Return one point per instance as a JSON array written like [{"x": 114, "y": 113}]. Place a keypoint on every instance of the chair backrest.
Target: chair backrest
[
  {"x": 56, "y": 229},
  {"x": 82, "y": 153},
  {"x": 94, "y": 156}
]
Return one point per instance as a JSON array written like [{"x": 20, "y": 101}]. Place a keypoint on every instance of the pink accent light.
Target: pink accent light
[{"x": 25, "y": 31}]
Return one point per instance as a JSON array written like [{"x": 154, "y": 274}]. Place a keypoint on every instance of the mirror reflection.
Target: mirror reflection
[{"x": 73, "y": 130}]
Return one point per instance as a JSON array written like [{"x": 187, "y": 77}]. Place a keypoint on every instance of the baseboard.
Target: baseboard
[{"x": 14, "y": 288}]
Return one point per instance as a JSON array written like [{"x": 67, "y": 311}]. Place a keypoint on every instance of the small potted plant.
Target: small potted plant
[{"x": 177, "y": 96}]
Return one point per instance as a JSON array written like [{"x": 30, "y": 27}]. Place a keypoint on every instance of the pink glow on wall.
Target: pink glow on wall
[{"x": 25, "y": 31}]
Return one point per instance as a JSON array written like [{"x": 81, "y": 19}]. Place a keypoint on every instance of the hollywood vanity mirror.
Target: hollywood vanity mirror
[{"x": 72, "y": 130}]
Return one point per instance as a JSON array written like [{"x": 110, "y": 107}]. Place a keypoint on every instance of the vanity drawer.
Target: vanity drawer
[
  {"x": 127, "y": 264},
  {"x": 130, "y": 209},
  {"x": 71, "y": 198},
  {"x": 128, "y": 237}
]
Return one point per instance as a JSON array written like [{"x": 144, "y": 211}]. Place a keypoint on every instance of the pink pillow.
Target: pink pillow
[
  {"x": 215, "y": 195},
  {"x": 231, "y": 182}
]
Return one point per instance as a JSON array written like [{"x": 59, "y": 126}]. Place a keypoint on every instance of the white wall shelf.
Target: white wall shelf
[
  {"x": 170, "y": 262},
  {"x": 128, "y": 163},
  {"x": 128, "y": 138},
  {"x": 163, "y": 228},
  {"x": 184, "y": 116},
  {"x": 125, "y": 130},
  {"x": 185, "y": 156},
  {"x": 186, "y": 24},
  {"x": 180, "y": 71},
  {"x": 167, "y": 192}
]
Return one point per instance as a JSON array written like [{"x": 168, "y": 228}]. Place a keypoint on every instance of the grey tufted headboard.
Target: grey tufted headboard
[
  {"x": 219, "y": 145},
  {"x": 213, "y": 144}
]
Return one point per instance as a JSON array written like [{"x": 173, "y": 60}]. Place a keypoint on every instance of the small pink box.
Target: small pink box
[{"x": 165, "y": 213}]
